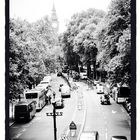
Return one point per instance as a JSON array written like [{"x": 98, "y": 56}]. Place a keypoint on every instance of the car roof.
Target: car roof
[
  {"x": 47, "y": 78},
  {"x": 88, "y": 135},
  {"x": 25, "y": 102}
]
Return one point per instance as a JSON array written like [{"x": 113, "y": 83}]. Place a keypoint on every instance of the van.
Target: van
[{"x": 25, "y": 110}]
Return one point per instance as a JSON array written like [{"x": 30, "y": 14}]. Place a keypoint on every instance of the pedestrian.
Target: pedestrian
[{"x": 60, "y": 87}]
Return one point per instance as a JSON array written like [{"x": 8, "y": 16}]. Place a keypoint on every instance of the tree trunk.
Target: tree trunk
[
  {"x": 94, "y": 69},
  {"x": 88, "y": 69}
]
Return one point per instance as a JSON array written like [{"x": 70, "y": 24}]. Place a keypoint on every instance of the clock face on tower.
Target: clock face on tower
[{"x": 54, "y": 24}]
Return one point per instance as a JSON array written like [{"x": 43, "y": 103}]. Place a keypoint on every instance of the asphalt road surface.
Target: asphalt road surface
[{"x": 108, "y": 120}]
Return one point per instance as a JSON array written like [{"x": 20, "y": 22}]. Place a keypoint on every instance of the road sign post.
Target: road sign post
[{"x": 54, "y": 114}]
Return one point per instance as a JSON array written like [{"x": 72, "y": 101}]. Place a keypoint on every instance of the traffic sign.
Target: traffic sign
[
  {"x": 56, "y": 114},
  {"x": 72, "y": 125}
]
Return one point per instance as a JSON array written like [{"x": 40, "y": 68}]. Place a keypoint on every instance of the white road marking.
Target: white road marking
[
  {"x": 122, "y": 109},
  {"x": 18, "y": 135},
  {"x": 38, "y": 118},
  {"x": 114, "y": 111},
  {"x": 106, "y": 135},
  {"x": 27, "y": 125},
  {"x": 15, "y": 127},
  {"x": 23, "y": 130}
]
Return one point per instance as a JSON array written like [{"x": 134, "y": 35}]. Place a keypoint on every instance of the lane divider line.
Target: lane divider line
[
  {"x": 84, "y": 118},
  {"x": 106, "y": 135},
  {"x": 18, "y": 135}
]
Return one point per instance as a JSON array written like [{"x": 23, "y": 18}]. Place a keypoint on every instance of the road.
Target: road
[
  {"x": 108, "y": 120},
  {"x": 41, "y": 127}
]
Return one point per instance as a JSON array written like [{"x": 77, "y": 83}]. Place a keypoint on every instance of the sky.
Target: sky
[{"x": 33, "y": 10}]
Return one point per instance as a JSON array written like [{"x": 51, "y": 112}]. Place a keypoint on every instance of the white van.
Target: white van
[{"x": 65, "y": 91}]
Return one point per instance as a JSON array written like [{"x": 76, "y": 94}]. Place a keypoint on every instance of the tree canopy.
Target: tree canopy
[{"x": 31, "y": 53}]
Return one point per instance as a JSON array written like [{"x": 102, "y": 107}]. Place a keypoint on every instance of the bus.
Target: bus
[
  {"x": 122, "y": 94},
  {"x": 37, "y": 94},
  {"x": 25, "y": 110}
]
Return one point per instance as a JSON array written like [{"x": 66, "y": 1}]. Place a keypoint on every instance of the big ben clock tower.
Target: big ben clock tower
[{"x": 54, "y": 19}]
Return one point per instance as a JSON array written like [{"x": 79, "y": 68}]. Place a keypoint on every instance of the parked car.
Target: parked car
[
  {"x": 118, "y": 138},
  {"x": 59, "y": 74},
  {"x": 65, "y": 91},
  {"x": 47, "y": 78},
  {"x": 100, "y": 89},
  {"x": 59, "y": 103},
  {"x": 96, "y": 82},
  {"x": 83, "y": 76},
  {"x": 44, "y": 83},
  {"x": 105, "y": 99},
  {"x": 89, "y": 135},
  {"x": 76, "y": 76},
  {"x": 127, "y": 105}
]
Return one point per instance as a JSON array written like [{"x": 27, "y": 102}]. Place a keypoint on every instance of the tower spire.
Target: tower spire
[
  {"x": 54, "y": 18},
  {"x": 53, "y": 9}
]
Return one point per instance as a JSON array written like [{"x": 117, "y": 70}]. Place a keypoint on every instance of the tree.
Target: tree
[
  {"x": 31, "y": 53},
  {"x": 114, "y": 44},
  {"x": 79, "y": 36}
]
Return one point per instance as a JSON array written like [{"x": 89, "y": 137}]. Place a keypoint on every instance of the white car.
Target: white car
[
  {"x": 65, "y": 91},
  {"x": 59, "y": 103},
  {"x": 100, "y": 89},
  {"x": 47, "y": 78},
  {"x": 44, "y": 84},
  {"x": 83, "y": 75},
  {"x": 40, "y": 86},
  {"x": 89, "y": 135}
]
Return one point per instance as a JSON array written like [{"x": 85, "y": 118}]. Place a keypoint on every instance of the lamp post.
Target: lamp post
[
  {"x": 54, "y": 120},
  {"x": 54, "y": 114}
]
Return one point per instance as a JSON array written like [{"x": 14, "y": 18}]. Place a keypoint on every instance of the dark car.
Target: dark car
[
  {"x": 76, "y": 76},
  {"x": 118, "y": 138},
  {"x": 105, "y": 99},
  {"x": 59, "y": 74}
]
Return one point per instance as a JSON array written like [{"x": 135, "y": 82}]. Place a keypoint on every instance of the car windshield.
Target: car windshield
[
  {"x": 31, "y": 95},
  {"x": 44, "y": 82}
]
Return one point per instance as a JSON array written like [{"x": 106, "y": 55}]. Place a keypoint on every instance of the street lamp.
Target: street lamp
[
  {"x": 73, "y": 129},
  {"x": 54, "y": 120}
]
